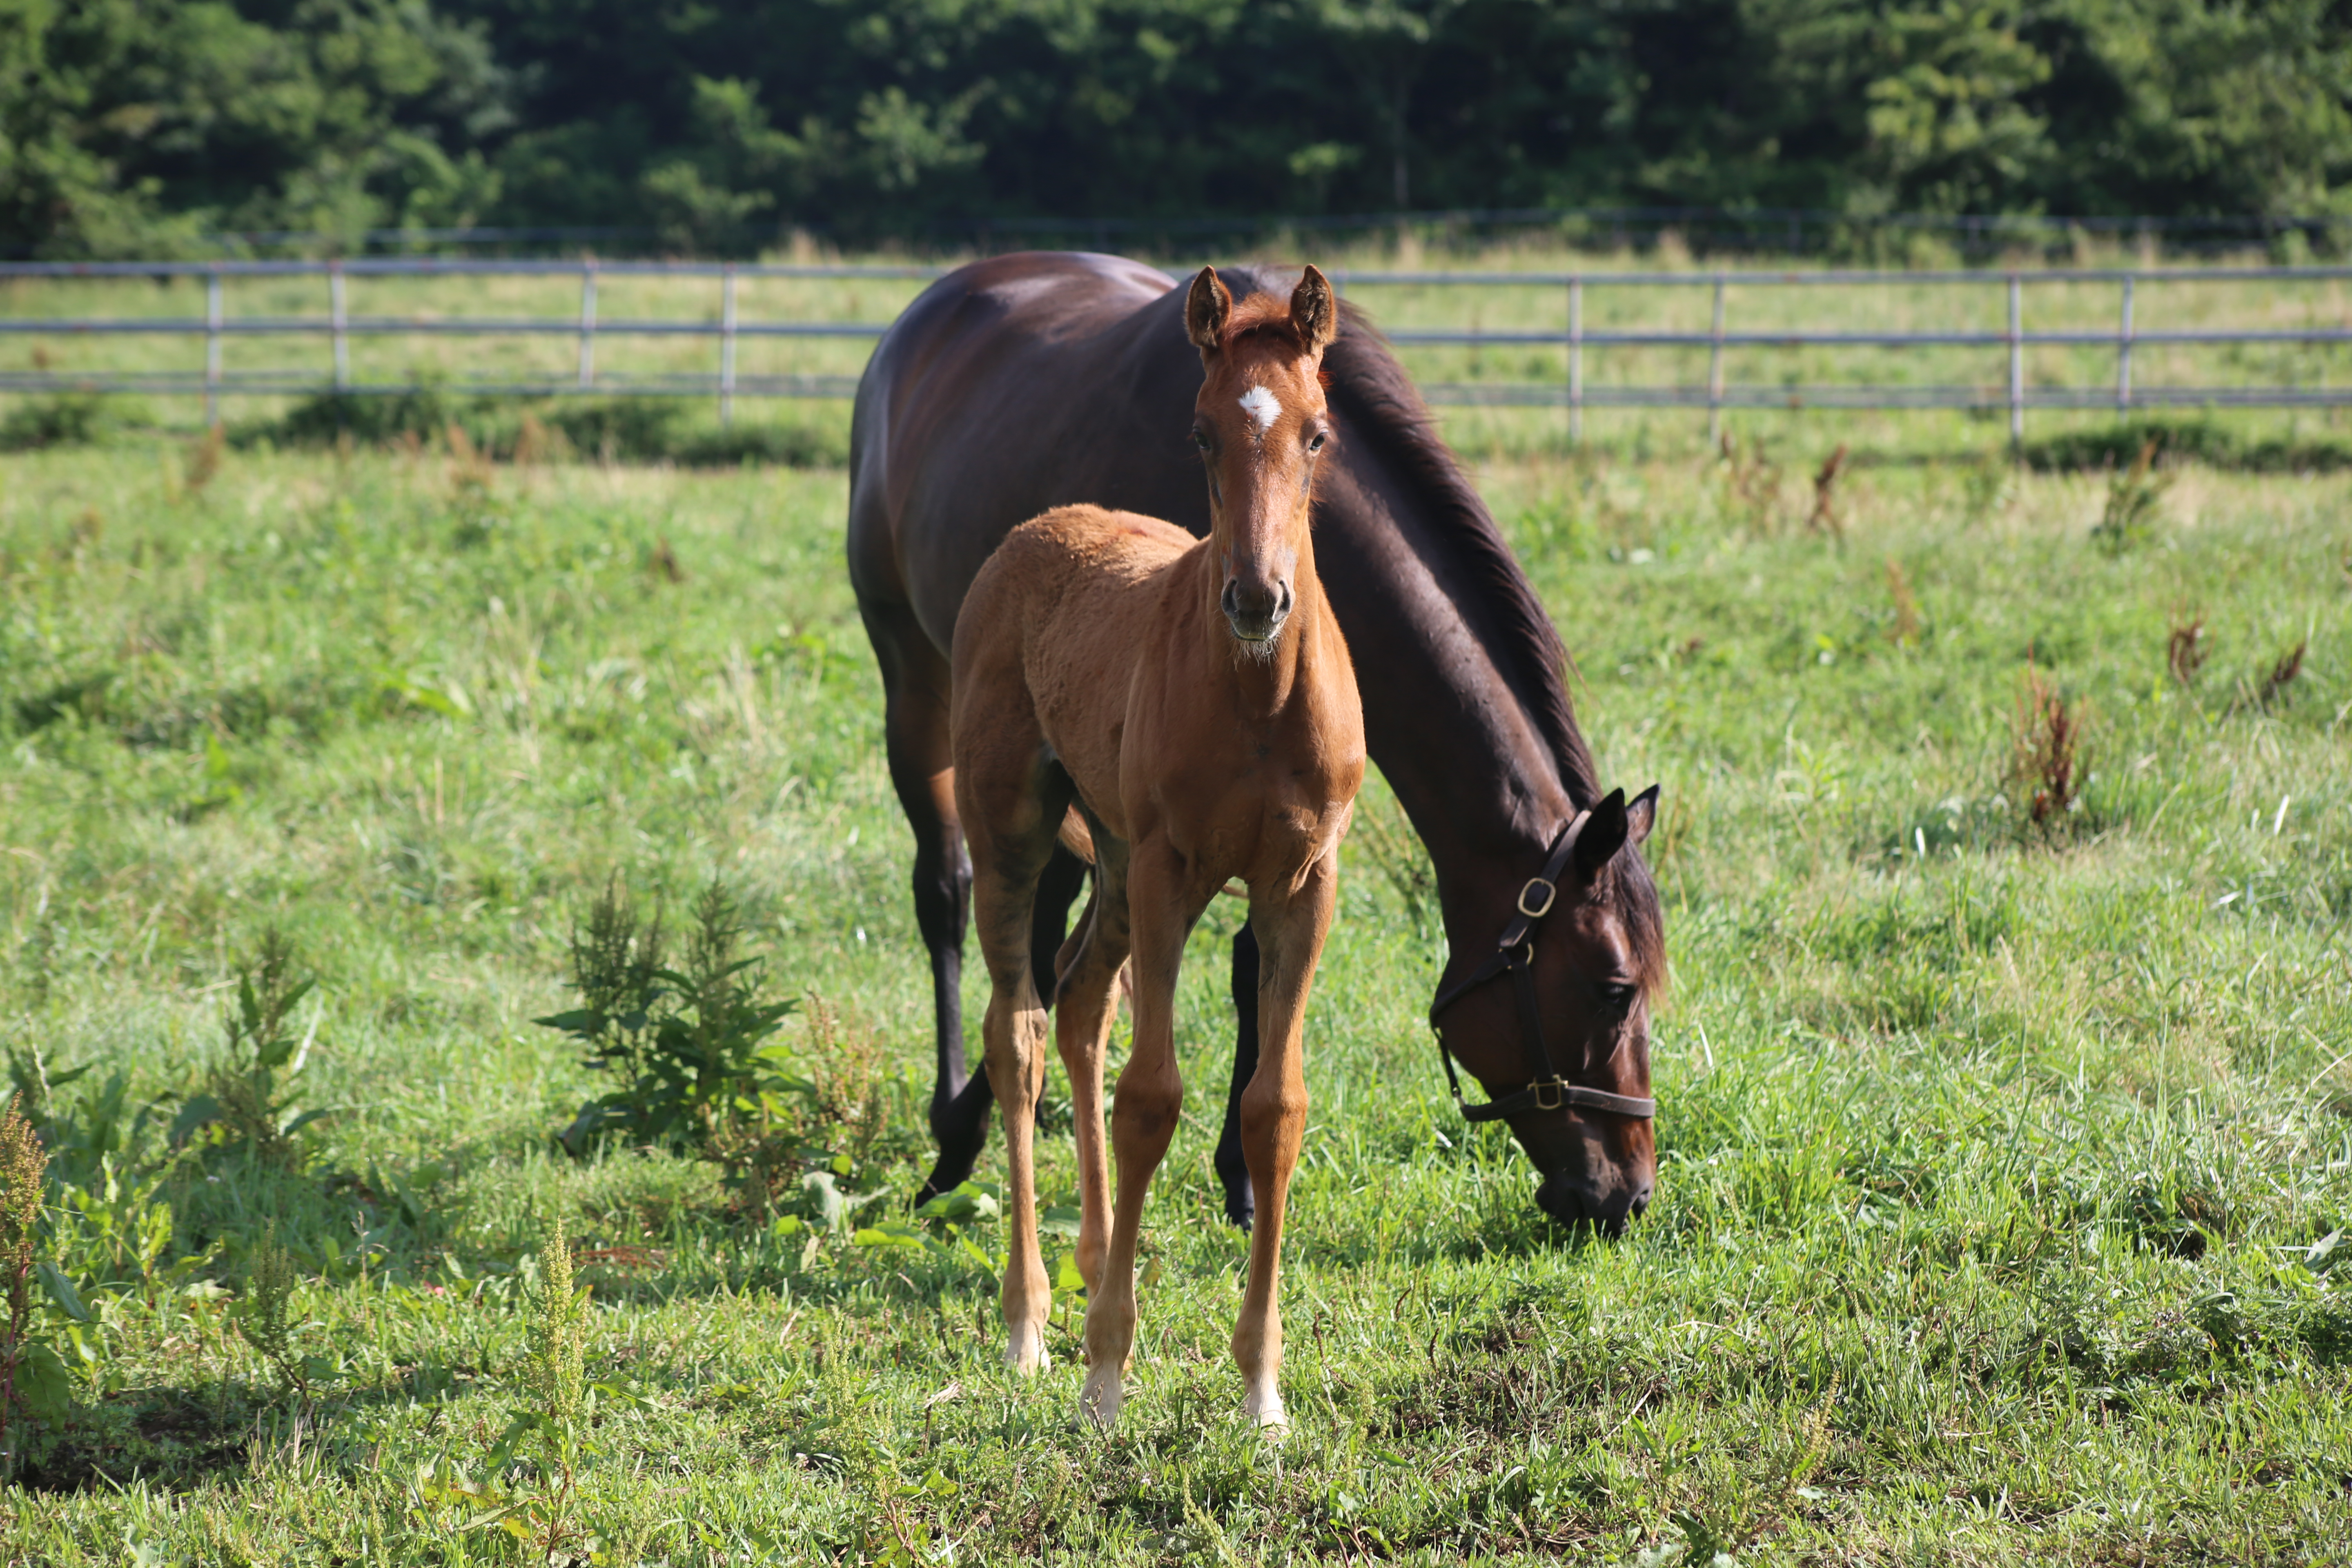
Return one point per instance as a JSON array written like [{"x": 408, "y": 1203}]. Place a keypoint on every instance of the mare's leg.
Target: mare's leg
[
  {"x": 915, "y": 681},
  {"x": 1161, "y": 910},
  {"x": 1083, "y": 1014},
  {"x": 1273, "y": 1118},
  {"x": 1232, "y": 1170},
  {"x": 1058, "y": 888},
  {"x": 1012, "y": 835}
]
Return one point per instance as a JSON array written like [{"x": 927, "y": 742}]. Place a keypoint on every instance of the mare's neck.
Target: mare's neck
[{"x": 1452, "y": 734}]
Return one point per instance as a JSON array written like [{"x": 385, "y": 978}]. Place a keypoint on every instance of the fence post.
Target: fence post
[
  {"x": 588, "y": 324},
  {"x": 726, "y": 347},
  {"x": 335, "y": 307},
  {"x": 1575, "y": 360},
  {"x": 2016, "y": 367},
  {"x": 2123, "y": 351},
  {"x": 1715, "y": 374},
  {"x": 211, "y": 349}
]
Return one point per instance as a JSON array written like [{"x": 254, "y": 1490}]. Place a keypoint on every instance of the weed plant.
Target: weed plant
[{"x": 2005, "y": 1174}]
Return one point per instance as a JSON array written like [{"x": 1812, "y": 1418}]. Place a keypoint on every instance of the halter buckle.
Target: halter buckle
[
  {"x": 1559, "y": 1088},
  {"x": 1551, "y": 891}
]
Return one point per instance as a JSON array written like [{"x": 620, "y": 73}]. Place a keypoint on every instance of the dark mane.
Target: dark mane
[{"x": 1367, "y": 383}]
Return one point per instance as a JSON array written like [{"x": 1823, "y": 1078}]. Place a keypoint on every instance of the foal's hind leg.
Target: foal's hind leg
[
  {"x": 1011, "y": 805},
  {"x": 1082, "y": 1020}
]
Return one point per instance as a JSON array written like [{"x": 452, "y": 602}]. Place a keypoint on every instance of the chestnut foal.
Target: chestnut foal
[{"x": 1194, "y": 703}]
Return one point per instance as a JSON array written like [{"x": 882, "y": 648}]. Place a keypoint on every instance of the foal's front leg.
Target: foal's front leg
[
  {"x": 1144, "y": 1108},
  {"x": 1273, "y": 1118}
]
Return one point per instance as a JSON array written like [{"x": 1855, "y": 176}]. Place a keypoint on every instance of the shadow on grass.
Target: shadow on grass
[{"x": 2195, "y": 440}]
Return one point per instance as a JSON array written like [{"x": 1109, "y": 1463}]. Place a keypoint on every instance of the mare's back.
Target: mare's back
[{"x": 1010, "y": 387}]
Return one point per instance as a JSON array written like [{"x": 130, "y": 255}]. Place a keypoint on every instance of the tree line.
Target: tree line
[{"x": 138, "y": 127}]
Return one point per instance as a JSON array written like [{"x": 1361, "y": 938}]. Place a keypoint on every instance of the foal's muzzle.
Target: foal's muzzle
[{"x": 1256, "y": 612}]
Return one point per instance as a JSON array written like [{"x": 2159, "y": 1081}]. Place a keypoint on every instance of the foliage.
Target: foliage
[
  {"x": 241, "y": 1104},
  {"x": 33, "y": 1380},
  {"x": 2133, "y": 499},
  {"x": 693, "y": 1045},
  {"x": 137, "y": 124},
  {"x": 267, "y": 1321},
  {"x": 65, "y": 419},
  {"x": 132, "y": 125}
]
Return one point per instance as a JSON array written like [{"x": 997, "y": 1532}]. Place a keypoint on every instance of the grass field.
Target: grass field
[{"x": 2002, "y": 1169}]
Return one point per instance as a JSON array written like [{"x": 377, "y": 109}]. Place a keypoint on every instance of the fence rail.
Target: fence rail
[{"x": 2008, "y": 389}]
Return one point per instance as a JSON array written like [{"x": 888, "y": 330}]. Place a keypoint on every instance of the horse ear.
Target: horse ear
[
  {"x": 1642, "y": 815},
  {"x": 1206, "y": 310},
  {"x": 1314, "y": 311},
  {"x": 1604, "y": 834}
]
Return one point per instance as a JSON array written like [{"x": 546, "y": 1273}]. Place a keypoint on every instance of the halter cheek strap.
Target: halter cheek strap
[{"x": 1514, "y": 953}]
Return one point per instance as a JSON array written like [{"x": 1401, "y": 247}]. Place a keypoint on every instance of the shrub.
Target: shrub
[
  {"x": 240, "y": 1104},
  {"x": 67, "y": 420},
  {"x": 33, "y": 1380},
  {"x": 692, "y": 1047},
  {"x": 2133, "y": 498}
]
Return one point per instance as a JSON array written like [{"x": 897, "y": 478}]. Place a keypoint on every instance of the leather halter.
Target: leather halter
[{"x": 1515, "y": 954}]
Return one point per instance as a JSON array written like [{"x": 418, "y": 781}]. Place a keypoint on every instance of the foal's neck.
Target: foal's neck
[{"x": 1265, "y": 677}]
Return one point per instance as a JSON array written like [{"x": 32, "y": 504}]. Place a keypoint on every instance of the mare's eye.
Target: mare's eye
[{"x": 1619, "y": 997}]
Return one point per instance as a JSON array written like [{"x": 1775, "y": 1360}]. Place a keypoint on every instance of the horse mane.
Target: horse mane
[{"x": 1363, "y": 376}]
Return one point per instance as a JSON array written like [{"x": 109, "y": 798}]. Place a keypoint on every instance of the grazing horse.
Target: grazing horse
[
  {"x": 1032, "y": 380},
  {"x": 1193, "y": 701}
]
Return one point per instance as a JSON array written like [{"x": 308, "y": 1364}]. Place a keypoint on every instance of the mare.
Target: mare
[
  {"x": 1041, "y": 379},
  {"x": 1193, "y": 701}
]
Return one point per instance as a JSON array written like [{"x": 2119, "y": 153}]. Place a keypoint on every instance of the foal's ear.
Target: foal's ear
[
  {"x": 1642, "y": 815},
  {"x": 1604, "y": 835},
  {"x": 1206, "y": 310},
  {"x": 1314, "y": 311}
]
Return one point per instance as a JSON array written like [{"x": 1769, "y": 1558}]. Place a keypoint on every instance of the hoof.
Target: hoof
[
  {"x": 1100, "y": 1401},
  {"x": 1025, "y": 1351},
  {"x": 1266, "y": 1409}
]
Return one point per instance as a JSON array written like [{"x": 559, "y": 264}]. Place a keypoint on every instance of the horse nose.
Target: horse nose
[
  {"x": 1608, "y": 1209},
  {"x": 1256, "y": 609}
]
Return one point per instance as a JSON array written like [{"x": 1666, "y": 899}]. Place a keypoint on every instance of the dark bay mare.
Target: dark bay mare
[{"x": 1029, "y": 382}]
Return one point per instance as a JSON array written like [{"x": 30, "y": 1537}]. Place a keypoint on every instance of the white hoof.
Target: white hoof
[
  {"x": 1024, "y": 1351},
  {"x": 1266, "y": 1409},
  {"x": 1098, "y": 1402}
]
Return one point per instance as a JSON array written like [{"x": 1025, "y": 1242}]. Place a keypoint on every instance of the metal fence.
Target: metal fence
[{"x": 2005, "y": 386}]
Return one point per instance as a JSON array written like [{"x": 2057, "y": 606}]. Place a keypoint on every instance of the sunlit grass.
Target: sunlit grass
[{"x": 1994, "y": 1156}]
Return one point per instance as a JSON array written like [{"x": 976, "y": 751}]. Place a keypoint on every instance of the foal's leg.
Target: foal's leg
[
  {"x": 1082, "y": 1020},
  {"x": 1150, "y": 1094},
  {"x": 1010, "y": 812},
  {"x": 1274, "y": 1118}
]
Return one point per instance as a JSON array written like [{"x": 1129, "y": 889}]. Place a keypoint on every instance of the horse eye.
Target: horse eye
[
  {"x": 1200, "y": 439},
  {"x": 1619, "y": 998},
  {"x": 1315, "y": 443}
]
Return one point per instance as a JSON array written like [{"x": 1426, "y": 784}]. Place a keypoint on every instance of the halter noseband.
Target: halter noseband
[{"x": 1515, "y": 952}]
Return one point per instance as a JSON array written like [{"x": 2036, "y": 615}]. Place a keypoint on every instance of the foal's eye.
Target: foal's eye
[
  {"x": 1200, "y": 439},
  {"x": 1315, "y": 442}
]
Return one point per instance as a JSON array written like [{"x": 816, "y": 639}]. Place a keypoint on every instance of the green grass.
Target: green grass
[{"x": 1994, "y": 1158}]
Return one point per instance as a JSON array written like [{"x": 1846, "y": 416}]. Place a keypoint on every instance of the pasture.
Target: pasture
[{"x": 2004, "y": 1164}]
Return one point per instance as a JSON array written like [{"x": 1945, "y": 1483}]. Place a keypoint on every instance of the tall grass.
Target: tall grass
[{"x": 2004, "y": 1171}]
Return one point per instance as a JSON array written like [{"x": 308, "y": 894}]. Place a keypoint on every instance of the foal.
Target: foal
[{"x": 1193, "y": 701}]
